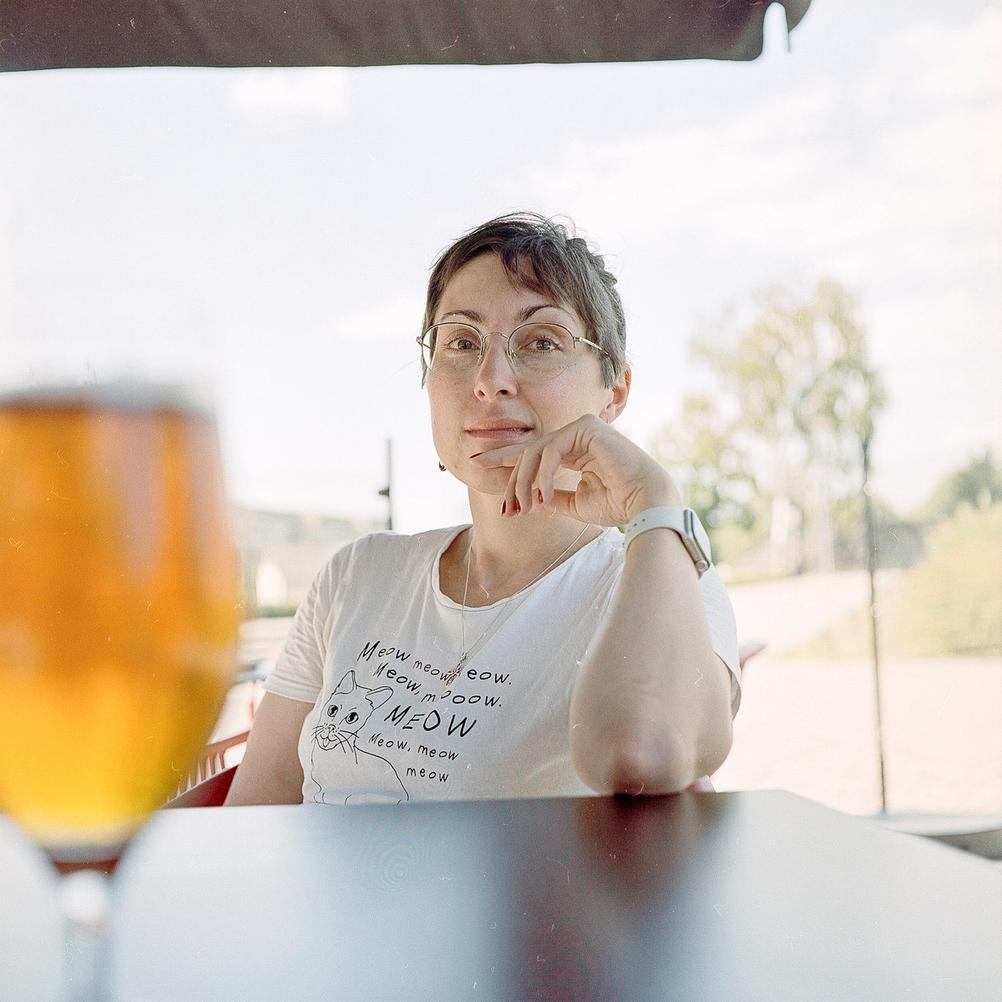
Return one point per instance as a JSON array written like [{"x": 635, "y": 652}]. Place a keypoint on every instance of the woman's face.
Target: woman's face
[{"x": 490, "y": 406}]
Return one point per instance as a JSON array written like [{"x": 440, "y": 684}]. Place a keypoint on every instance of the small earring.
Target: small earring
[{"x": 440, "y": 466}]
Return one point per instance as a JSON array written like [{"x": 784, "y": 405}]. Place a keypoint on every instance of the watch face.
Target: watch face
[{"x": 697, "y": 542}]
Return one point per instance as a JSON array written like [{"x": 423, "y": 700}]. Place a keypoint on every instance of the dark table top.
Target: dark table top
[{"x": 700, "y": 896}]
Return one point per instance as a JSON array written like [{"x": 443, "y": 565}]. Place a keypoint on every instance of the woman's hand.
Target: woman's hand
[{"x": 618, "y": 479}]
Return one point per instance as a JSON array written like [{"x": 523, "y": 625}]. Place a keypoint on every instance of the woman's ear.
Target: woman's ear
[{"x": 620, "y": 391}]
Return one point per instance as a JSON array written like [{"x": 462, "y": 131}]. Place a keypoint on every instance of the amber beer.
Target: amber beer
[{"x": 118, "y": 608}]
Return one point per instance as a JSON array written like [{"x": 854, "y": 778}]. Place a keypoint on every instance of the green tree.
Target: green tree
[
  {"x": 899, "y": 540},
  {"x": 792, "y": 397},
  {"x": 952, "y": 601},
  {"x": 699, "y": 448},
  {"x": 720, "y": 486},
  {"x": 977, "y": 485}
]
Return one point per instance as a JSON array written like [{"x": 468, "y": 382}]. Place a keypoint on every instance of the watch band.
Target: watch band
[{"x": 680, "y": 520}]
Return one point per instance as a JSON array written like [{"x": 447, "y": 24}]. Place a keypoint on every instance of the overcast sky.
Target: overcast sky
[{"x": 273, "y": 230}]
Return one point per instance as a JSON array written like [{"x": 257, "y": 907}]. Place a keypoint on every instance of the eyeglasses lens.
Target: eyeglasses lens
[{"x": 536, "y": 351}]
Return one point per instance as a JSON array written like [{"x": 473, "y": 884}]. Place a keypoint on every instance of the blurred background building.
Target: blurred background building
[{"x": 281, "y": 552}]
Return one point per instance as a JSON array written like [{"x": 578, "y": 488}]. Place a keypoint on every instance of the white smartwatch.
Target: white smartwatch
[{"x": 684, "y": 521}]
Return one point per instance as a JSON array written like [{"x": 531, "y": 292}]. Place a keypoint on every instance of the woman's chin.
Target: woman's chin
[{"x": 490, "y": 482}]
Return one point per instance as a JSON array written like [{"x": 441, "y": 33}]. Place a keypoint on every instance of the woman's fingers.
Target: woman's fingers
[
  {"x": 510, "y": 498},
  {"x": 549, "y": 464},
  {"x": 615, "y": 475},
  {"x": 535, "y": 464},
  {"x": 506, "y": 456},
  {"x": 563, "y": 503},
  {"x": 524, "y": 476}
]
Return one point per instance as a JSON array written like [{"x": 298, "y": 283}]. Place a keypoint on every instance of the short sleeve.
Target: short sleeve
[
  {"x": 723, "y": 630},
  {"x": 298, "y": 672}
]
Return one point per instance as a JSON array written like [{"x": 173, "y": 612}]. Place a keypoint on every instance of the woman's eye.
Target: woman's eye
[
  {"x": 541, "y": 339},
  {"x": 351, "y": 718},
  {"x": 331, "y": 711},
  {"x": 463, "y": 344}
]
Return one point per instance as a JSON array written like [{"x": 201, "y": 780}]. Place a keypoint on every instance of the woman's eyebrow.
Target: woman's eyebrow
[
  {"x": 522, "y": 314},
  {"x": 469, "y": 314},
  {"x": 529, "y": 310}
]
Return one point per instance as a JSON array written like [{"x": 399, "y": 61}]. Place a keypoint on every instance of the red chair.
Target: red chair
[
  {"x": 747, "y": 651},
  {"x": 208, "y": 782}
]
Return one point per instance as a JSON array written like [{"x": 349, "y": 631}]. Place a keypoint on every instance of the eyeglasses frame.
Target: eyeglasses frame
[{"x": 508, "y": 352}]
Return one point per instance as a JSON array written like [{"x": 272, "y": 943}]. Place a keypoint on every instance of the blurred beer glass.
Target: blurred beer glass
[{"x": 118, "y": 613}]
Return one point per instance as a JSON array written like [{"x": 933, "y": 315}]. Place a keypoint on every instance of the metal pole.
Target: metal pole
[
  {"x": 387, "y": 491},
  {"x": 871, "y": 570}
]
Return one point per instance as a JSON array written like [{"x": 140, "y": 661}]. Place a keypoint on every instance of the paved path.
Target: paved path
[
  {"x": 790, "y": 611},
  {"x": 810, "y": 726}
]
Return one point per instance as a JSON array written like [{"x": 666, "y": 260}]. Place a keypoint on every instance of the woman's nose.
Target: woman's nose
[{"x": 495, "y": 374}]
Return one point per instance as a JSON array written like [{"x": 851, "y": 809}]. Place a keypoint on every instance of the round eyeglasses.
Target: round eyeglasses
[{"x": 536, "y": 351}]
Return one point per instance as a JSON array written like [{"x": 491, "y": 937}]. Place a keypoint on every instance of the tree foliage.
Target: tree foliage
[
  {"x": 791, "y": 398},
  {"x": 952, "y": 602},
  {"x": 977, "y": 484}
]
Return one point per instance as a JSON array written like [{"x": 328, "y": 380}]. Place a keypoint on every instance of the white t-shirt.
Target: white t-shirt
[{"x": 375, "y": 636}]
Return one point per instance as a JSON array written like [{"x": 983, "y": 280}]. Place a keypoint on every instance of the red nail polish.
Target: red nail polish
[
  {"x": 518, "y": 507},
  {"x": 539, "y": 496},
  {"x": 504, "y": 507},
  {"x": 474, "y": 456}
]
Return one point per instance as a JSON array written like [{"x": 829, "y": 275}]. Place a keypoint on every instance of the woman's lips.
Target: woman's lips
[{"x": 500, "y": 434}]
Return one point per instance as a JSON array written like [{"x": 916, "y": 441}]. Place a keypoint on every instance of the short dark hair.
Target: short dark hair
[{"x": 547, "y": 257}]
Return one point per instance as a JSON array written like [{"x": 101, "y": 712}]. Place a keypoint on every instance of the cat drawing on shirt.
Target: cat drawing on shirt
[{"x": 335, "y": 754}]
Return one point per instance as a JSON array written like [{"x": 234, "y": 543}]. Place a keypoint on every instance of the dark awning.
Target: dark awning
[{"x": 48, "y": 34}]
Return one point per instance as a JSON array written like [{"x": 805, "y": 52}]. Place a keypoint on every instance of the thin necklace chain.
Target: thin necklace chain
[{"x": 452, "y": 675}]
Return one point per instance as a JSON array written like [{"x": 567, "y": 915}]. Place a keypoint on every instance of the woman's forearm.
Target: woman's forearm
[
  {"x": 270, "y": 772},
  {"x": 650, "y": 711}
]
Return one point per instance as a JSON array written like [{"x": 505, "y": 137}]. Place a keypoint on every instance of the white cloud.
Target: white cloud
[
  {"x": 821, "y": 174},
  {"x": 263, "y": 95},
  {"x": 724, "y": 179},
  {"x": 934, "y": 63}
]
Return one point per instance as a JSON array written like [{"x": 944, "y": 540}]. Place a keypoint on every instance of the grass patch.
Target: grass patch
[{"x": 948, "y": 605}]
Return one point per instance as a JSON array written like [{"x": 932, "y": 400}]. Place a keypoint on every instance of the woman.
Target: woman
[{"x": 538, "y": 651}]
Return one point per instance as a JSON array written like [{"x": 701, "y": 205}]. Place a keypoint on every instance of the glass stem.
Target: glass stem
[{"x": 84, "y": 898}]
